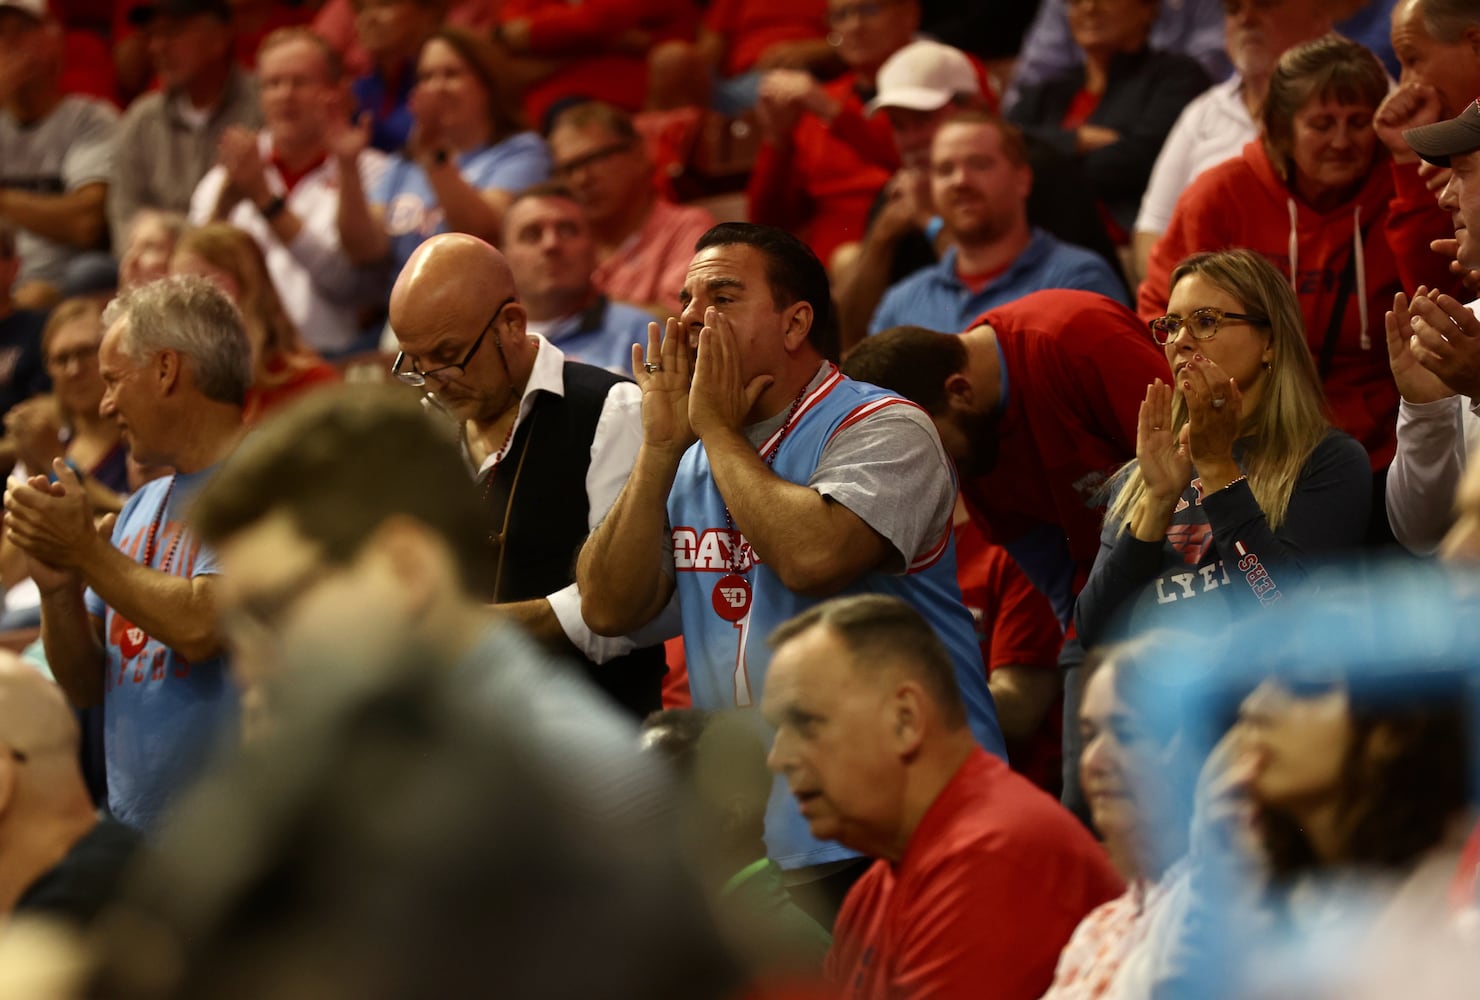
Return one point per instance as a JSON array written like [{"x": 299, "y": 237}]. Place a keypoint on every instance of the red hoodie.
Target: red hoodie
[{"x": 1243, "y": 203}]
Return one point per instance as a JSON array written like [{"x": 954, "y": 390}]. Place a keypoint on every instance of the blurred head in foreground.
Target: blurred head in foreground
[{"x": 385, "y": 841}]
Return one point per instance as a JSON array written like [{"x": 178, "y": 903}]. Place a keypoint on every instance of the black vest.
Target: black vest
[{"x": 543, "y": 473}]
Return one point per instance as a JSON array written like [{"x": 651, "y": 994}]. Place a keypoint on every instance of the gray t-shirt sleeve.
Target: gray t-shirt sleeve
[
  {"x": 89, "y": 156},
  {"x": 891, "y": 470}
]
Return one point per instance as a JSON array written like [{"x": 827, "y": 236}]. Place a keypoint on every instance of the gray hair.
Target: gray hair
[
  {"x": 1446, "y": 20},
  {"x": 191, "y": 316}
]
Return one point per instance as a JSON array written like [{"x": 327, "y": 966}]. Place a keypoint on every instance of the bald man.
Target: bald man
[
  {"x": 56, "y": 856},
  {"x": 553, "y": 442}
]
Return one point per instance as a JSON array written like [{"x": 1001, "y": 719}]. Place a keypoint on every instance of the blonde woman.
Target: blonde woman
[
  {"x": 282, "y": 365},
  {"x": 1239, "y": 479}
]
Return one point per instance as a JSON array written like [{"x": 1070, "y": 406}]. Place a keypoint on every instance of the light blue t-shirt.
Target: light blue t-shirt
[
  {"x": 162, "y": 714},
  {"x": 935, "y": 298},
  {"x": 412, "y": 214}
]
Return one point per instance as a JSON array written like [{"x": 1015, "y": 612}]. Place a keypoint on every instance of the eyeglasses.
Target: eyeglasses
[
  {"x": 563, "y": 171},
  {"x": 415, "y": 376},
  {"x": 81, "y": 356},
  {"x": 1203, "y": 324}
]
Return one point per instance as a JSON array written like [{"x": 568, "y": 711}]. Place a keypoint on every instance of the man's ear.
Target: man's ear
[
  {"x": 907, "y": 707},
  {"x": 798, "y": 318},
  {"x": 1471, "y": 37},
  {"x": 960, "y": 393},
  {"x": 413, "y": 556},
  {"x": 1024, "y": 180},
  {"x": 167, "y": 372}
]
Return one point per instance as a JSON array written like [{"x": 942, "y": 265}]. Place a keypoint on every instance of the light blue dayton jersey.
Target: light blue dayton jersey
[{"x": 725, "y": 631}]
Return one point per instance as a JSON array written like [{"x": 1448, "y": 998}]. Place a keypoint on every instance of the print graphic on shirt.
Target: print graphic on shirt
[
  {"x": 722, "y": 550},
  {"x": 142, "y": 657},
  {"x": 1192, "y": 540},
  {"x": 408, "y": 213},
  {"x": 711, "y": 550}
]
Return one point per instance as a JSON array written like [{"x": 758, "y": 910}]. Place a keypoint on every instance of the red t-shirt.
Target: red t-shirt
[
  {"x": 1077, "y": 369},
  {"x": 1016, "y": 626},
  {"x": 582, "y": 36},
  {"x": 750, "y": 27},
  {"x": 994, "y": 880},
  {"x": 262, "y": 400}
]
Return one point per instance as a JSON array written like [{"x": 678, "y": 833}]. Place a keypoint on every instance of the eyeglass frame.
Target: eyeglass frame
[
  {"x": 418, "y": 378},
  {"x": 562, "y": 171},
  {"x": 1220, "y": 317}
]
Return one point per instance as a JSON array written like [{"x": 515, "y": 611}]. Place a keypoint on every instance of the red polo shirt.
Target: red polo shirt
[{"x": 993, "y": 881}]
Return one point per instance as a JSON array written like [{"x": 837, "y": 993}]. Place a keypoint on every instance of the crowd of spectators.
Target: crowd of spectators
[{"x": 863, "y": 498}]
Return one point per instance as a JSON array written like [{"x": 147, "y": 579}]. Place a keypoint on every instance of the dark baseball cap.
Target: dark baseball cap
[
  {"x": 1436, "y": 143},
  {"x": 146, "y": 12}
]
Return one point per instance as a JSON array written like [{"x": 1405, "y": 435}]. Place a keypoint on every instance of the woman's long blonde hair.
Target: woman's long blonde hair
[
  {"x": 229, "y": 249},
  {"x": 1290, "y": 418}
]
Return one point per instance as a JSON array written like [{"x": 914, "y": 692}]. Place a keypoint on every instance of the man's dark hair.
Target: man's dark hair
[
  {"x": 675, "y": 733},
  {"x": 792, "y": 270},
  {"x": 880, "y": 630},
  {"x": 342, "y": 461},
  {"x": 911, "y": 361}
]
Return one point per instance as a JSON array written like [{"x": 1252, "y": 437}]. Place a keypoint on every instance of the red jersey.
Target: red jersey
[
  {"x": 1016, "y": 626},
  {"x": 992, "y": 884}
]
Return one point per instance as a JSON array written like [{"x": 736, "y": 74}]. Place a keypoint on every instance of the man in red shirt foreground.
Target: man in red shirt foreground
[{"x": 981, "y": 877}]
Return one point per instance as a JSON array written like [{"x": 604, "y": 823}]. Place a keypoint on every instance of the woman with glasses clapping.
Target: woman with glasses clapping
[
  {"x": 1239, "y": 479},
  {"x": 1330, "y": 193}
]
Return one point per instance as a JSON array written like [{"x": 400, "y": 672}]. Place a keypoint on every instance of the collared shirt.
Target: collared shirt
[
  {"x": 321, "y": 288},
  {"x": 936, "y": 298},
  {"x": 600, "y": 335},
  {"x": 613, "y": 453},
  {"x": 160, "y": 158}
]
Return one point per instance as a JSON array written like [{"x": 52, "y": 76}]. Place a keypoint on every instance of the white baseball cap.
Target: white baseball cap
[
  {"x": 924, "y": 76},
  {"x": 36, "y": 8}
]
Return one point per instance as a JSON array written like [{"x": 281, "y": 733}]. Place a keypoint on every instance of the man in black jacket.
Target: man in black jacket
[{"x": 552, "y": 442}]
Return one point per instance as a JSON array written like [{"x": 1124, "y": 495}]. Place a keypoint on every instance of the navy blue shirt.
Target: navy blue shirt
[{"x": 390, "y": 112}]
